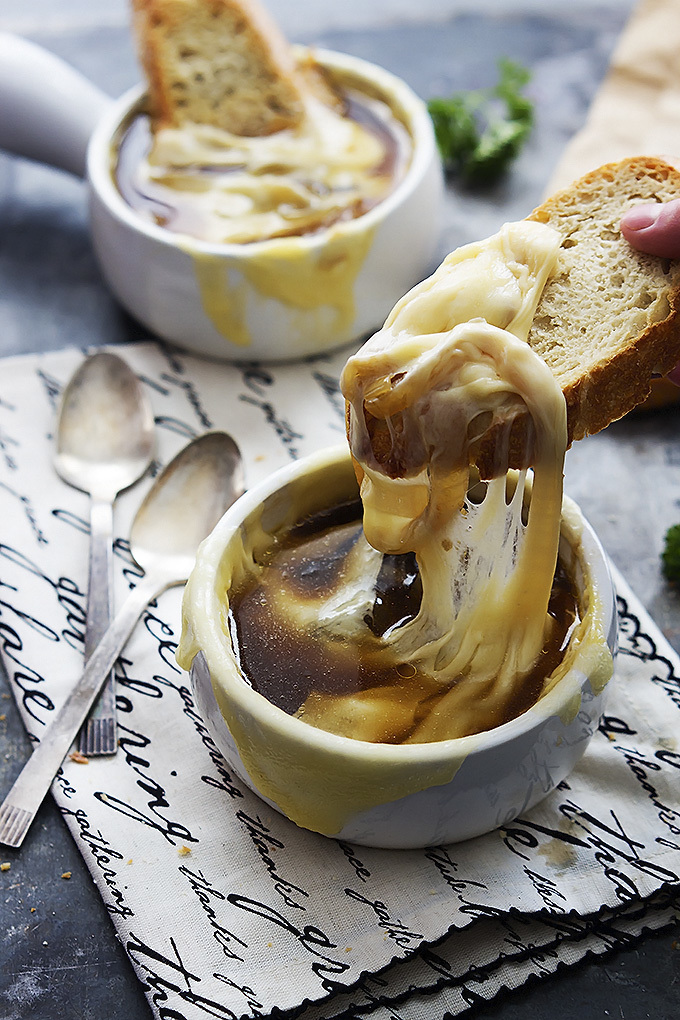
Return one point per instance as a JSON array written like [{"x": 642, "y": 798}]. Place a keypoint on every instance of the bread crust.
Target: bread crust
[
  {"x": 612, "y": 377},
  {"x": 218, "y": 62},
  {"x": 620, "y": 381}
]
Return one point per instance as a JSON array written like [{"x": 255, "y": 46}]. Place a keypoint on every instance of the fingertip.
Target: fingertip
[
  {"x": 654, "y": 228},
  {"x": 640, "y": 217}
]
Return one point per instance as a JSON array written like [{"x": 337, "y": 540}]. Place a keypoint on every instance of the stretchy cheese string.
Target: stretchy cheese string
[{"x": 451, "y": 356}]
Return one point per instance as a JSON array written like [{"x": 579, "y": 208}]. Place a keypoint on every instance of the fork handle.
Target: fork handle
[
  {"x": 28, "y": 792},
  {"x": 98, "y": 735}
]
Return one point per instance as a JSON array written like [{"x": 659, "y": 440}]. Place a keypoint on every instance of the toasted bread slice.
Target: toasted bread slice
[
  {"x": 217, "y": 62},
  {"x": 608, "y": 318},
  {"x": 607, "y": 321}
]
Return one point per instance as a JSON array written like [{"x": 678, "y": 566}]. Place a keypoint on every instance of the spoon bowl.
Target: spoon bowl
[
  {"x": 184, "y": 505},
  {"x": 105, "y": 429}
]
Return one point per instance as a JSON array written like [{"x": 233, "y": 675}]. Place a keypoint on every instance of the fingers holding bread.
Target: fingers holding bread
[
  {"x": 607, "y": 321},
  {"x": 654, "y": 228}
]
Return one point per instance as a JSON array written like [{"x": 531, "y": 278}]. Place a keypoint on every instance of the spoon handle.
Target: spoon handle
[
  {"x": 28, "y": 792},
  {"x": 98, "y": 735}
]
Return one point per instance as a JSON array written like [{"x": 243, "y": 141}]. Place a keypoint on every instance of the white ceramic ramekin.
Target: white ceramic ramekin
[
  {"x": 379, "y": 794},
  {"x": 272, "y": 300}
]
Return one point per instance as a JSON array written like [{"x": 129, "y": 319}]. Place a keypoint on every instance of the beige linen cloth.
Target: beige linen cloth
[{"x": 637, "y": 108}]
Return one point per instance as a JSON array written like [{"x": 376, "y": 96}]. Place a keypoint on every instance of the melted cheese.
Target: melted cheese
[
  {"x": 318, "y": 282},
  {"x": 226, "y": 188},
  {"x": 451, "y": 362}
]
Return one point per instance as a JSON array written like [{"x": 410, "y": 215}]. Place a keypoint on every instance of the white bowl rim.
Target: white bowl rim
[
  {"x": 435, "y": 752},
  {"x": 101, "y": 179}
]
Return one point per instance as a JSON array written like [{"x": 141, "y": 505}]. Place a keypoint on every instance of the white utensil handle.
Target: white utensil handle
[{"x": 48, "y": 110}]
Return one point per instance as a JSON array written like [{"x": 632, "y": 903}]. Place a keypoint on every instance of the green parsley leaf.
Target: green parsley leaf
[
  {"x": 479, "y": 132},
  {"x": 670, "y": 557}
]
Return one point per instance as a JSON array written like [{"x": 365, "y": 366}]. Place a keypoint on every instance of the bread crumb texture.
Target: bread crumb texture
[
  {"x": 218, "y": 62},
  {"x": 607, "y": 320}
]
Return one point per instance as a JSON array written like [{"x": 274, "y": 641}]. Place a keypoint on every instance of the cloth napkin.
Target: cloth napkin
[
  {"x": 225, "y": 908},
  {"x": 637, "y": 107}
]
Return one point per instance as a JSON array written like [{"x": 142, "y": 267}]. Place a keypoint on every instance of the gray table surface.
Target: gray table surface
[{"x": 62, "y": 959}]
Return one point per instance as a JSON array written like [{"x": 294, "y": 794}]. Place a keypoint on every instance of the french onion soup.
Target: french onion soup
[
  {"x": 353, "y": 684},
  {"x": 208, "y": 183}
]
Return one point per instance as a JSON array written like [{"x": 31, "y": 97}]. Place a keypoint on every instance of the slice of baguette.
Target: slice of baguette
[
  {"x": 607, "y": 321},
  {"x": 218, "y": 62},
  {"x": 608, "y": 318}
]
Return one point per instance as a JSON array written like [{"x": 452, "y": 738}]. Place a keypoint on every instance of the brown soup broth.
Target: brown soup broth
[{"x": 285, "y": 664}]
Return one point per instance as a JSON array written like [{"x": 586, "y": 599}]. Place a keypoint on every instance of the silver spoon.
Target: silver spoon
[
  {"x": 105, "y": 442},
  {"x": 180, "y": 510}
]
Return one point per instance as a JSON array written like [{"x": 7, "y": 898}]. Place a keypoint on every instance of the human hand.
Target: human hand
[{"x": 655, "y": 229}]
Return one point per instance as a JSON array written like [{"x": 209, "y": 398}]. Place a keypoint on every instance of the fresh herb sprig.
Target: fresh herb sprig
[
  {"x": 670, "y": 557},
  {"x": 479, "y": 132}
]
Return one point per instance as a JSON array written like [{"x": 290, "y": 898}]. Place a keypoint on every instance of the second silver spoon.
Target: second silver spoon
[{"x": 105, "y": 442}]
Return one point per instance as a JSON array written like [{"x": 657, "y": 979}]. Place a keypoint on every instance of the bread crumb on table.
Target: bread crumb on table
[
  {"x": 5, "y": 866},
  {"x": 78, "y": 758},
  {"x": 183, "y": 850},
  {"x": 66, "y": 874}
]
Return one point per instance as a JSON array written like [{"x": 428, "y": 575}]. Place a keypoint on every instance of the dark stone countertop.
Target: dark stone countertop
[{"x": 59, "y": 954}]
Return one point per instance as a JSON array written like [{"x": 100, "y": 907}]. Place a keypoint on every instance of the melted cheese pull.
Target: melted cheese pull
[{"x": 451, "y": 363}]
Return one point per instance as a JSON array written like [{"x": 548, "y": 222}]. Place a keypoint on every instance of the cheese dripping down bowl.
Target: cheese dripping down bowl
[
  {"x": 403, "y": 795},
  {"x": 281, "y": 298}
]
